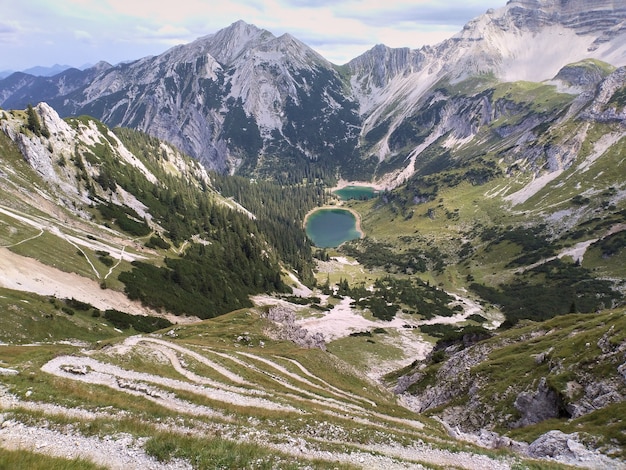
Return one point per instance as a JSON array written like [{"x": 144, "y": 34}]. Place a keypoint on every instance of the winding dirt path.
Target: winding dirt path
[{"x": 124, "y": 451}]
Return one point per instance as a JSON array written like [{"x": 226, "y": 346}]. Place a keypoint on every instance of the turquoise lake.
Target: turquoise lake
[
  {"x": 329, "y": 228},
  {"x": 356, "y": 192}
]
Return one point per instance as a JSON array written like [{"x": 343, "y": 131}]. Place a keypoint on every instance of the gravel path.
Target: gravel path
[
  {"x": 120, "y": 452},
  {"x": 88, "y": 370},
  {"x": 125, "y": 452}
]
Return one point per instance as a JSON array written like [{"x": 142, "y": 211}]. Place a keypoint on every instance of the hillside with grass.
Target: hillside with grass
[
  {"x": 129, "y": 212},
  {"x": 150, "y": 307},
  {"x": 532, "y": 230}
]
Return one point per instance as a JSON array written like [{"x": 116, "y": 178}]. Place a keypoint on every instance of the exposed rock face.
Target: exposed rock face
[
  {"x": 606, "y": 107},
  {"x": 537, "y": 406},
  {"x": 474, "y": 394},
  {"x": 42, "y": 153},
  {"x": 453, "y": 380},
  {"x": 49, "y": 153},
  {"x": 585, "y": 75},
  {"x": 568, "y": 449},
  {"x": 286, "y": 320}
]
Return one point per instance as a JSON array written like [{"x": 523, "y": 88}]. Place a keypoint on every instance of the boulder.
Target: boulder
[{"x": 568, "y": 449}]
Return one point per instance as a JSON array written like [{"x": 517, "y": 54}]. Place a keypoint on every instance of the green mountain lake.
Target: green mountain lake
[
  {"x": 329, "y": 228},
  {"x": 355, "y": 192}
]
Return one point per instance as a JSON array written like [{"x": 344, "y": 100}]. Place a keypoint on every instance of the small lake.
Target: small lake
[
  {"x": 329, "y": 228},
  {"x": 355, "y": 192}
]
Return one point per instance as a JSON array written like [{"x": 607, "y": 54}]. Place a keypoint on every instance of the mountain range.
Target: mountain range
[
  {"x": 245, "y": 101},
  {"x": 40, "y": 71}
]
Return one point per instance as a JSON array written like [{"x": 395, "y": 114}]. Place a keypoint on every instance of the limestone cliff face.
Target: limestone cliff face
[
  {"x": 63, "y": 155},
  {"x": 546, "y": 381}
]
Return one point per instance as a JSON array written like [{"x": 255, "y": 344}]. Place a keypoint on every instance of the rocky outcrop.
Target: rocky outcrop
[
  {"x": 585, "y": 75},
  {"x": 453, "y": 380},
  {"x": 557, "y": 372},
  {"x": 376, "y": 67},
  {"x": 537, "y": 406},
  {"x": 569, "y": 449},
  {"x": 285, "y": 319},
  {"x": 608, "y": 106}
]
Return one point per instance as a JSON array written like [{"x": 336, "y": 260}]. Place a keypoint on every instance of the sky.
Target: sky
[{"x": 80, "y": 32}]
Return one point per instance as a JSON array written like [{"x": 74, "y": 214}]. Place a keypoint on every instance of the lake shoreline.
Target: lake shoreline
[
  {"x": 357, "y": 217},
  {"x": 344, "y": 184}
]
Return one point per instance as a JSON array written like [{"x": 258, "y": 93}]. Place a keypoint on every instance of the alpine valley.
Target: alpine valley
[{"x": 162, "y": 307}]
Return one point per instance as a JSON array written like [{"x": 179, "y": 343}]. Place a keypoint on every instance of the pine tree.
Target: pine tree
[{"x": 33, "y": 123}]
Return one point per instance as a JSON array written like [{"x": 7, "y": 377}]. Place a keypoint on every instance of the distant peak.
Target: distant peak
[
  {"x": 226, "y": 44},
  {"x": 241, "y": 24},
  {"x": 102, "y": 65}
]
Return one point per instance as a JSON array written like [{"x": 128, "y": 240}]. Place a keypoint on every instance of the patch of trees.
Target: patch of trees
[
  {"x": 209, "y": 280},
  {"x": 437, "y": 168},
  {"x": 157, "y": 242},
  {"x": 280, "y": 212},
  {"x": 377, "y": 133},
  {"x": 551, "y": 289},
  {"x": 372, "y": 254},
  {"x": 390, "y": 295},
  {"x": 69, "y": 306},
  {"x": 125, "y": 217},
  {"x": 141, "y": 323},
  {"x": 33, "y": 123},
  {"x": 414, "y": 130},
  {"x": 120, "y": 320},
  {"x": 449, "y": 335},
  {"x": 533, "y": 241},
  {"x": 241, "y": 130},
  {"x": 105, "y": 258},
  {"x": 612, "y": 244}
]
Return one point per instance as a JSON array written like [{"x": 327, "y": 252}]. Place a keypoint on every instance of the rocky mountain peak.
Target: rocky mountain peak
[
  {"x": 381, "y": 63},
  {"x": 101, "y": 66},
  {"x": 583, "y": 16},
  {"x": 229, "y": 43},
  {"x": 533, "y": 39}
]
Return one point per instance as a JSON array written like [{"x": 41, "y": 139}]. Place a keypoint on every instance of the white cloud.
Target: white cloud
[
  {"x": 9, "y": 32},
  {"x": 83, "y": 36}
]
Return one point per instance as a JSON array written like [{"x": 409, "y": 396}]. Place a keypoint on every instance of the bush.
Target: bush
[
  {"x": 143, "y": 324},
  {"x": 107, "y": 261},
  {"x": 67, "y": 310},
  {"x": 157, "y": 242},
  {"x": 78, "y": 305}
]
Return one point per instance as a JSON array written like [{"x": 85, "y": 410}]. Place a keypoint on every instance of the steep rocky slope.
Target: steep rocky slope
[
  {"x": 569, "y": 371},
  {"x": 95, "y": 208}
]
